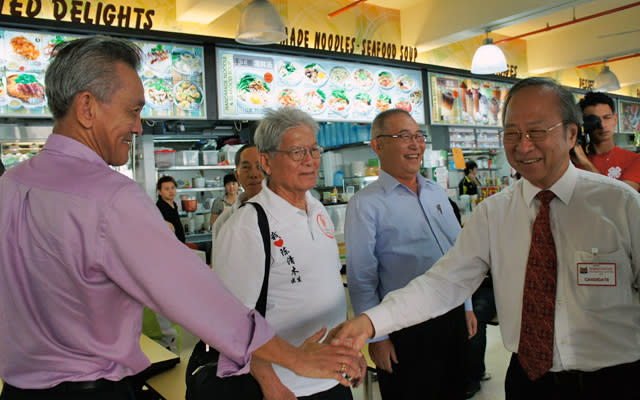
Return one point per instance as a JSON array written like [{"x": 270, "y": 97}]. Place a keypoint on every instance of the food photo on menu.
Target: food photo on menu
[{"x": 466, "y": 101}]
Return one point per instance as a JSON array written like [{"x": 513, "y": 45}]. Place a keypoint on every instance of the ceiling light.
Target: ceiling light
[
  {"x": 606, "y": 81},
  {"x": 489, "y": 59},
  {"x": 260, "y": 23}
]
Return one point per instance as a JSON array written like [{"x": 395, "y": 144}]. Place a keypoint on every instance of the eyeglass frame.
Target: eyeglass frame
[
  {"x": 407, "y": 137},
  {"x": 528, "y": 134},
  {"x": 305, "y": 151}
]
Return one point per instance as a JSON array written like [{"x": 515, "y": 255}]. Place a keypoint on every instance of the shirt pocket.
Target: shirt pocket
[{"x": 599, "y": 297}]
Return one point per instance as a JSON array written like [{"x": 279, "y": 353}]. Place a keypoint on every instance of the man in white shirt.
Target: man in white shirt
[
  {"x": 250, "y": 176},
  {"x": 594, "y": 329}
]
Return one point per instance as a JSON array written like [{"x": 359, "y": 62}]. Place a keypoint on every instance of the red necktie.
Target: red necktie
[{"x": 535, "y": 351}]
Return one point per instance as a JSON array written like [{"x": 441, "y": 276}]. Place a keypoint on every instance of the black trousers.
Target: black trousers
[
  {"x": 97, "y": 390},
  {"x": 338, "y": 392},
  {"x": 431, "y": 358},
  {"x": 619, "y": 382},
  {"x": 485, "y": 310}
]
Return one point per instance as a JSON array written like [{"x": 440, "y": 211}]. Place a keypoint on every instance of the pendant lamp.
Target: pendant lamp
[
  {"x": 260, "y": 23},
  {"x": 489, "y": 59},
  {"x": 606, "y": 81}
]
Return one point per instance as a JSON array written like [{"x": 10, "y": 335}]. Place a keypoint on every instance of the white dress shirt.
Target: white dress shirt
[
  {"x": 594, "y": 219},
  {"x": 305, "y": 287}
]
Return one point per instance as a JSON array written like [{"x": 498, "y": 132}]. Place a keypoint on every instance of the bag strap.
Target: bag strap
[{"x": 263, "y": 224}]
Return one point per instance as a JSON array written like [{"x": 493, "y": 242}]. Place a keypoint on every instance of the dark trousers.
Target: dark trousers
[
  {"x": 338, "y": 392},
  {"x": 431, "y": 357},
  {"x": 485, "y": 310},
  {"x": 104, "y": 390},
  {"x": 619, "y": 382}
]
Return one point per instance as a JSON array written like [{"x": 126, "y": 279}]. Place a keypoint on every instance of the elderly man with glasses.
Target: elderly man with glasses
[
  {"x": 305, "y": 293},
  {"x": 396, "y": 229},
  {"x": 562, "y": 246}
]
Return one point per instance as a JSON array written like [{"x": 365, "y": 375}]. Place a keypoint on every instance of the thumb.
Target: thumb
[
  {"x": 393, "y": 355},
  {"x": 317, "y": 336}
]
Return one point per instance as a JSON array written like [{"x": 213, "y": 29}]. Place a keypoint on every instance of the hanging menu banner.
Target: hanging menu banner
[
  {"x": 629, "y": 116},
  {"x": 250, "y": 82},
  {"x": 171, "y": 74},
  {"x": 465, "y": 101}
]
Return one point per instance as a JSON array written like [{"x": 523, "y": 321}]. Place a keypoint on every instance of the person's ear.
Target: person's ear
[
  {"x": 572, "y": 134},
  {"x": 265, "y": 163},
  {"x": 376, "y": 145},
  {"x": 85, "y": 107}
]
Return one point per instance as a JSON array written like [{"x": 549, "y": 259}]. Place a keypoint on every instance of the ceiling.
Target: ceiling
[{"x": 429, "y": 25}]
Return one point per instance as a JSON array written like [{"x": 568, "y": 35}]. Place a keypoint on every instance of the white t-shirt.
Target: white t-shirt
[
  {"x": 222, "y": 218},
  {"x": 305, "y": 288}
]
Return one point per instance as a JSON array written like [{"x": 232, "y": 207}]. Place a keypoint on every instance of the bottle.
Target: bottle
[
  {"x": 373, "y": 169},
  {"x": 338, "y": 178},
  {"x": 334, "y": 196}
]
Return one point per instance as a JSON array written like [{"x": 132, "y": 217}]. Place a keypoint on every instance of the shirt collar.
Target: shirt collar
[
  {"x": 282, "y": 210},
  {"x": 67, "y": 146},
  {"x": 389, "y": 183},
  {"x": 563, "y": 188}
]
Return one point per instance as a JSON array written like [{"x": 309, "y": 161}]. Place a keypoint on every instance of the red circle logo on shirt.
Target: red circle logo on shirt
[{"x": 325, "y": 227}]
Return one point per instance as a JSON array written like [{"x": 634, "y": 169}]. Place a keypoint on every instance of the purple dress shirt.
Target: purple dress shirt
[{"x": 82, "y": 248}]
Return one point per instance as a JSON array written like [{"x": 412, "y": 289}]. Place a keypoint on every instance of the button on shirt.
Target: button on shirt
[
  {"x": 305, "y": 288},
  {"x": 83, "y": 248},
  {"x": 393, "y": 235},
  {"x": 595, "y": 326}
]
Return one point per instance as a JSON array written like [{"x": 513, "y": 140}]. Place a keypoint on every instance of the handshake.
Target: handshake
[{"x": 338, "y": 356}]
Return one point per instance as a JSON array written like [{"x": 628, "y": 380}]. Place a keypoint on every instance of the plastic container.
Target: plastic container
[
  {"x": 373, "y": 169},
  {"x": 338, "y": 178},
  {"x": 165, "y": 158},
  {"x": 209, "y": 157},
  {"x": 187, "y": 157}
]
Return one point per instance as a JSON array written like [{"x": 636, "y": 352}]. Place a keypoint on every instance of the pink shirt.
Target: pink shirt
[{"x": 82, "y": 248}]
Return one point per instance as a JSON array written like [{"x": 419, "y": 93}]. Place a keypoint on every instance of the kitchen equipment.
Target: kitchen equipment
[
  {"x": 189, "y": 204},
  {"x": 198, "y": 182},
  {"x": 187, "y": 157},
  {"x": 209, "y": 157},
  {"x": 165, "y": 158}
]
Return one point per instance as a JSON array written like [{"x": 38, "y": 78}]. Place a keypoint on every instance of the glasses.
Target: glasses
[
  {"x": 299, "y": 153},
  {"x": 513, "y": 136},
  {"x": 420, "y": 137}
]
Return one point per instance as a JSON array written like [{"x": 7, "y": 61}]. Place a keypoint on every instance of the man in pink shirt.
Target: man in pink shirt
[{"x": 83, "y": 248}]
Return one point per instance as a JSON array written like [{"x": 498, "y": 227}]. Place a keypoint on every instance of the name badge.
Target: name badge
[{"x": 601, "y": 274}]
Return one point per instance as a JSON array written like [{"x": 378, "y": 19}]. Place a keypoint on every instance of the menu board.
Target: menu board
[
  {"x": 251, "y": 82},
  {"x": 466, "y": 101},
  {"x": 629, "y": 116},
  {"x": 171, "y": 74}
]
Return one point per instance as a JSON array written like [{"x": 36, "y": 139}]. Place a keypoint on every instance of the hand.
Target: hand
[
  {"x": 472, "y": 323},
  {"x": 579, "y": 157},
  {"x": 355, "y": 382},
  {"x": 328, "y": 361},
  {"x": 271, "y": 386},
  {"x": 383, "y": 353},
  {"x": 353, "y": 332}
]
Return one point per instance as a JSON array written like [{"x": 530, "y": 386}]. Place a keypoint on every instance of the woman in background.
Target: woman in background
[
  {"x": 222, "y": 203},
  {"x": 469, "y": 183},
  {"x": 166, "y": 188}
]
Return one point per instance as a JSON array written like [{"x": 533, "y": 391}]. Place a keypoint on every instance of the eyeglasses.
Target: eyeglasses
[
  {"x": 419, "y": 137},
  {"x": 299, "y": 153},
  {"x": 513, "y": 136}
]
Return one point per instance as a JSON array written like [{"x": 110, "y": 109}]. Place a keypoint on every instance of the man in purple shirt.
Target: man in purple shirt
[{"x": 83, "y": 247}]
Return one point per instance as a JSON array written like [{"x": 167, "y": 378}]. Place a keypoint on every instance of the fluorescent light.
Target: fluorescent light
[
  {"x": 489, "y": 59},
  {"x": 606, "y": 81},
  {"x": 260, "y": 23}
]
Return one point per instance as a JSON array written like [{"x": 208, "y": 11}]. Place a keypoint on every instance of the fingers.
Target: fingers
[
  {"x": 317, "y": 336},
  {"x": 394, "y": 357}
]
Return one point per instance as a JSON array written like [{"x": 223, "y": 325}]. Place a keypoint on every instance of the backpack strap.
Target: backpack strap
[{"x": 263, "y": 224}]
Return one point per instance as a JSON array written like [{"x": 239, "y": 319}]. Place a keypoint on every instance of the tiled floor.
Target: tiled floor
[{"x": 496, "y": 361}]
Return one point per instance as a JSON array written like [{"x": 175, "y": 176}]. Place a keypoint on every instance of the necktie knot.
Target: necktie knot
[{"x": 545, "y": 197}]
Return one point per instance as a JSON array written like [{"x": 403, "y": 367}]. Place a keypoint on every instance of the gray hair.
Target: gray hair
[
  {"x": 86, "y": 64},
  {"x": 569, "y": 110},
  {"x": 276, "y": 122},
  {"x": 377, "y": 126}
]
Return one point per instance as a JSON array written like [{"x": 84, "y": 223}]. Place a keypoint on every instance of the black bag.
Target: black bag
[{"x": 202, "y": 381}]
